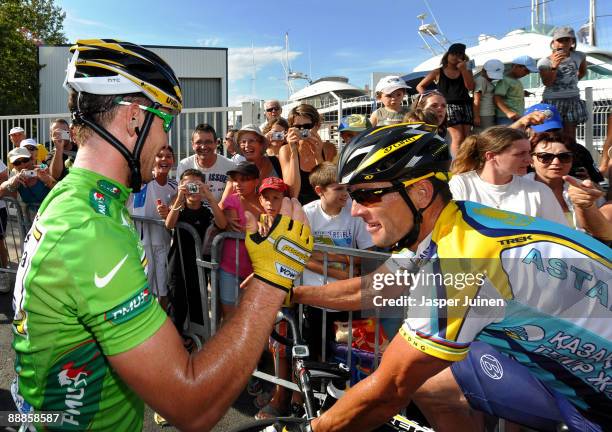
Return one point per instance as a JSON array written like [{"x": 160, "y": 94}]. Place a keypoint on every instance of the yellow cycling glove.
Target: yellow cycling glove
[{"x": 279, "y": 258}]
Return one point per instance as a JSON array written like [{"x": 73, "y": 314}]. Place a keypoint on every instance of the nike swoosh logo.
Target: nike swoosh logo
[
  {"x": 125, "y": 222},
  {"x": 101, "y": 282}
]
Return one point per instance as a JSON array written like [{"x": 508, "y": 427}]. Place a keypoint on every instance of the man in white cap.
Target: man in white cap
[
  {"x": 390, "y": 90},
  {"x": 484, "y": 90},
  {"x": 16, "y": 134}
]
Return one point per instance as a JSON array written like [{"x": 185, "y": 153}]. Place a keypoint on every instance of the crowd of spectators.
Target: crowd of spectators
[{"x": 525, "y": 161}]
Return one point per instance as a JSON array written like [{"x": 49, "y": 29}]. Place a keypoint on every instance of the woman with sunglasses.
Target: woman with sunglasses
[
  {"x": 552, "y": 155},
  {"x": 32, "y": 183},
  {"x": 489, "y": 169},
  {"x": 306, "y": 149},
  {"x": 455, "y": 81}
]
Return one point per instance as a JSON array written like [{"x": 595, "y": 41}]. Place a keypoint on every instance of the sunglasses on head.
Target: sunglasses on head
[
  {"x": 167, "y": 118},
  {"x": 368, "y": 197},
  {"x": 20, "y": 162},
  {"x": 427, "y": 94},
  {"x": 273, "y": 109},
  {"x": 547, "y": 158}
]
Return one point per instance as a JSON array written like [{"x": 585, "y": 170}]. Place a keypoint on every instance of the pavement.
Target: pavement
[{"x": 242, "y": 411}]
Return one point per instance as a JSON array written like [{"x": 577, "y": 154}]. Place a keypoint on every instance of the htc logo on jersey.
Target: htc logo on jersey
[{"x": 515, "y": 240}]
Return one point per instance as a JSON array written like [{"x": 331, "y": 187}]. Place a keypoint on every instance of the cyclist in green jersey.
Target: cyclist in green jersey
[{"x": 90, "y": 339}]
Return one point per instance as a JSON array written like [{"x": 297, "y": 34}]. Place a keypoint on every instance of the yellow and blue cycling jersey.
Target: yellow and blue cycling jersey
[{"x": 539, "y": 292}]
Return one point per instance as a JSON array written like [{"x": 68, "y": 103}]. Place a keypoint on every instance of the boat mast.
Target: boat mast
[{"x": 592, "y": 18}]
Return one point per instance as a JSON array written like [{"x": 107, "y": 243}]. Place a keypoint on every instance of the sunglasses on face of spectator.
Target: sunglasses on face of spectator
[
  {"x": 19, "y": 162},
  {"x": 547, "y": 158},
  {"x": 271, "y": 109},
  {"x": 307, "y": 126}
]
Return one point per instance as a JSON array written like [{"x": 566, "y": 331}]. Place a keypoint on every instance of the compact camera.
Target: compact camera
[
  {"x": 65, "y": 135},
  {"x": 304, "y": 133},
  {"x": 193, "y": 188},
  {"x": 278, "y": 136},
  {"x": 29, "y": 173}
]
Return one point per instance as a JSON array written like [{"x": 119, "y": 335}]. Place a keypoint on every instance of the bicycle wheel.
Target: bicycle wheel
[{"x": 268, "y": 425}]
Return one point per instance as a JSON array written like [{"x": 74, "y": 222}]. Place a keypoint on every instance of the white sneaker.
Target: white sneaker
[{"x": 5, "y": 283}]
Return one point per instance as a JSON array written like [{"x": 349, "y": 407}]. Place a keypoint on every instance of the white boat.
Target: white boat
[{"x": 331, "y": 96}]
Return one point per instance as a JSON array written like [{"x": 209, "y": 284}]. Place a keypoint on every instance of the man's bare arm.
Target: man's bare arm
[
  {"x": 383, "y": 394},
  {"x": 194, "y": 392}
]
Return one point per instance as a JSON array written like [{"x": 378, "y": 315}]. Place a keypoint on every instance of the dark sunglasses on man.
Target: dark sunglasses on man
[{"x": 271, "y": 109}]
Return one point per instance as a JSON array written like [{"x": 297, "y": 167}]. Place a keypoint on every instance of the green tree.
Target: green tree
[{"x": 25, "y": 25}]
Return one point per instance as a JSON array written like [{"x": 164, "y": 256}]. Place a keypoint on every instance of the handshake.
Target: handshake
[{"x": 279, "y": 257}]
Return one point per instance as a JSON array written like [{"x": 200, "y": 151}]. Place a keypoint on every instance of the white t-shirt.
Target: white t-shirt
[
  {"x": 342, "y": 230},
  {"x": 216, "y": 176},
  {"x": 521, "y": 195},
  {"x": 144, "y": 204}
]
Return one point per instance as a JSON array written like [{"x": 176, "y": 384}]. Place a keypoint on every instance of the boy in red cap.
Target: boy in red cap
[{"x": 271, "y": 193}]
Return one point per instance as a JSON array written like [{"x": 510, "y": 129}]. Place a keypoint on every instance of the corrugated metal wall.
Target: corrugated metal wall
[{"x": 202, "y": 70}]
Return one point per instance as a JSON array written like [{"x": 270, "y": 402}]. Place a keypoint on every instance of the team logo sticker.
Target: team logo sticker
[
  {"x": 109, "y": 188},
  {"x": 99, "y": 202},
  {"x": 507, "y": 218},
  {"x": 491, "y": 366}
]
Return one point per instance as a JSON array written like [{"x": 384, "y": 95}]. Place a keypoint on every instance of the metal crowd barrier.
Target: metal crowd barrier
[
  {"x": 144, "y": 226},
  {"x": 374, "y": 257},
  {"x": 11, "y": 245}
]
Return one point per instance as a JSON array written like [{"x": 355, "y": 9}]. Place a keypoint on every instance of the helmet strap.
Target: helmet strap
[
  {"x": 133, "y": 159},
  {"x": 417, "y": 217}
]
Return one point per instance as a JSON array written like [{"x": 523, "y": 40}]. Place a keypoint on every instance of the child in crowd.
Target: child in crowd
[
  {"x": 352, "y": 125},
  {"x": 484, "y": 90},
  {"x": 245, "y": 178},
  {"x": 390, "y": 90},
  {"x": 331, "y": 223},
  {"x": 271, "y": 194},
  {"x": 509, "y": 92},
  {"x": 183, "y": 273},
  {"x": 455, "y": 81},
  {"x": 560, "y": 73},
  {"x": 276, "y": 133},
  {"x": 152, "y": 202}
]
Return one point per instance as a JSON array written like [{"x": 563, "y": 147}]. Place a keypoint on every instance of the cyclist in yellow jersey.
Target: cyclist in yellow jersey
[
  {"x": 91, "y": 342},
  {"x": 528, "y": 336}
]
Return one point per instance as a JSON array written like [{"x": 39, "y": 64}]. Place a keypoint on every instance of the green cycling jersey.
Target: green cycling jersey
[{"x": 81, "y": 295}]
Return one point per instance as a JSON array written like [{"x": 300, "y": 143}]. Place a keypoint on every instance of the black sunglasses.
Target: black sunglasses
[
  {"x": 273, "y": 109},
  {"x": 20, "y": 162},
  {"x": 367, "y": 197},
  {"x": 304, "y": 126},
  {"x": 547, "y": 158}
]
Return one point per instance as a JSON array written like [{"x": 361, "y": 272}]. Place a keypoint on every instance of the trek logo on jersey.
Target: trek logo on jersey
[
  {"x": 99, "y": 202},
  {"x": 109, "y": 188},
  {"x": 130, "y": 308},
  {"x": 74, "y": 386},
  {"x": 515, "y": 240}
]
